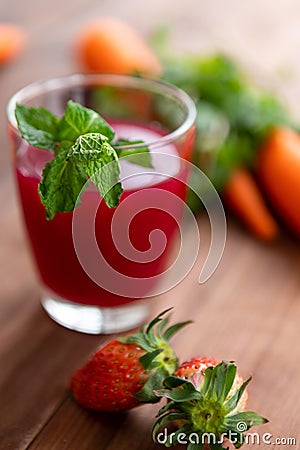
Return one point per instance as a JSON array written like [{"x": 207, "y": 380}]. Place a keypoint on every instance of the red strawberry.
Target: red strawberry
[
  {"x": 195, "y": 365},
  {"x": 124, "y": 373},
  {"x": 206, "y": 402}
]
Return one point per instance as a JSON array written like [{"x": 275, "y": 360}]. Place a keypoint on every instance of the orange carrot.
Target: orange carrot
[
  {"x": 12, "y": 41},
  {"x": 243, "y": 198},
  {"x": 110, "y": 45},
  {"x": 278, "y": 169}
]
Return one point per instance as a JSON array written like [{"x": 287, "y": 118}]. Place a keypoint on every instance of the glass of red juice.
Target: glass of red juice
[{"x": 99, "y": 267}]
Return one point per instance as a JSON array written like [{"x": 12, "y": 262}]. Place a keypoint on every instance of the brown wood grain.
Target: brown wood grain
[{"x": 249, "y": 311}]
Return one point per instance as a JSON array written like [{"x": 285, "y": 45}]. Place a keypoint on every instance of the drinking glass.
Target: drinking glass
[{"x": 100, "y": 267}]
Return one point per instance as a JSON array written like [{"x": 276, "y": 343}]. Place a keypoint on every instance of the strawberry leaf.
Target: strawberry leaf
[
  {"x": 193, "y": 446},
  {"x": 161, "y": 326},
  {"x": 207, "y": 376},
  {"x": 147, "y": 359},
  {"x": 217, "y": 446},
  {"x": 169, "y": 417},
  {"x": 167, "y": 407},
  {"x": 138, "y": 339},
  {"x": 154, "y": 382},
  {"x": 214, "y": 385},
  {"x": 172, "y": 382},
  {"x": 184, "y": 393},
  {"x": 174, "y": 328},
  {"x": 206, "y": 409},
  {"x": 232, "y": 402},
  {"x": 157, "y": 319},
  {"x": 225, "y": 379},
  {"x": 176, "y": 436},
  {"x": 247, "y": 418}
]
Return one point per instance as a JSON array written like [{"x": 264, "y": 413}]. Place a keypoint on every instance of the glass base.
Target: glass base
[{"x": 93, "y": 319}]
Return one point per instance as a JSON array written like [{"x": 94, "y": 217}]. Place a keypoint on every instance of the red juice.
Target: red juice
[{"x": 52, "y": 241}]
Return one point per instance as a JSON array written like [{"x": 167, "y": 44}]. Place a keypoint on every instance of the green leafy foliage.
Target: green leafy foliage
[
  {"x": 100, "y": 162},
  {"x": 62, "y": 183},
  {"x": 233, "y": 117},
  {"x": 79, "y": 120},
  {"x": 82, "y": 144},
  {"x": 37, "y": 125},
  {"x": 139, "y": 155},
  {"x": 186, "y": 393},
  {"x": 249, "y": 418}
]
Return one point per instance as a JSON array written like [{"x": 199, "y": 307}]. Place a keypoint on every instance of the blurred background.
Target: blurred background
[{"x": 262, "y": 35}]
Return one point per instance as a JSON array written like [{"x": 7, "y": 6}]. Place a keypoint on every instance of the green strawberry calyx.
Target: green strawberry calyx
[
  {"x": 209, "y": 407},
  {"x": 159, "y": 361}
]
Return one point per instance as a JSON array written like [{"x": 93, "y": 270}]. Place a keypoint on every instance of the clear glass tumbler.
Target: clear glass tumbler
[{"x": 98, "y": 266}]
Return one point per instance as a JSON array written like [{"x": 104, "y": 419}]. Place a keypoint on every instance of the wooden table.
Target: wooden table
[{"x": 248, "y": 311}]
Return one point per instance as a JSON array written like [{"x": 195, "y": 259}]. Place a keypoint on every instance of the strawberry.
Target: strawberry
[
  {"x": 124, "y": 372},
  {"x": 193, "y": 370},
  {"x": 206, "y": 403}
]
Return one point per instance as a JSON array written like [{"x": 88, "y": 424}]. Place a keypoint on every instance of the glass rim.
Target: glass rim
[{"x": 75, "y": 80}]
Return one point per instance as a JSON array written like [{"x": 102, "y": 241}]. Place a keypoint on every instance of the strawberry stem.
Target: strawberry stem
[
  {"x": 209, "y": 408},
  {"x": 159, "y": 358}
]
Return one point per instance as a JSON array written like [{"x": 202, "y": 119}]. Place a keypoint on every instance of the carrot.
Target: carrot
[
  {"x": 278, "y": 170},
  {"x": 12, "y": 41},
  {"x": 243, "y": 198},
  {"x": 110, "y": 45}
]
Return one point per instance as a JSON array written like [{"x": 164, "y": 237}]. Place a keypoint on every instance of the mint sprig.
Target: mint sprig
[
  {"x": 99, "y": 160},
  {"x": 79, "y": 120},
  {"x": 142, "y": 158},
  {"x": 82, "y": 142},
  {"x": 37, "y": 125}
]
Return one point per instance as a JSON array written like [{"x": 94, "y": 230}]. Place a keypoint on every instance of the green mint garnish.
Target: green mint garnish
[
  {"x": 38, "y": 126},
  {"x": 63, "y": 180},
  {"x": 83, "y": 149},
  {"x": 142, "y": 158},
  {"x": 79, "y": 120}
]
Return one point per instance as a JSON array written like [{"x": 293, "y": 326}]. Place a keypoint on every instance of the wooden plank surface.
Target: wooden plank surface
[{"x": 248, "y": 311}]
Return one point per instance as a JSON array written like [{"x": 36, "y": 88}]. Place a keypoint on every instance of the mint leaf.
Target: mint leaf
[
  {"x": 79, "y": 120},
  {"x": 66, "y": 175},
  {"x": 140, "y": 155},
  {"x": 37, "y": 125},
  {"x": 63, "y": 180},
  {"x": 100, "y": 162},
  {"x": 81, "y": 144}
]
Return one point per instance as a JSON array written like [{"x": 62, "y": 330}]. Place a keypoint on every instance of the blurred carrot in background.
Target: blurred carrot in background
[
  {"x": 109, "y": 45},
  {"x": 244, "y": 199},
  {"x": 278, "y": 170},
  {"x": 13, "y": 40}
]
